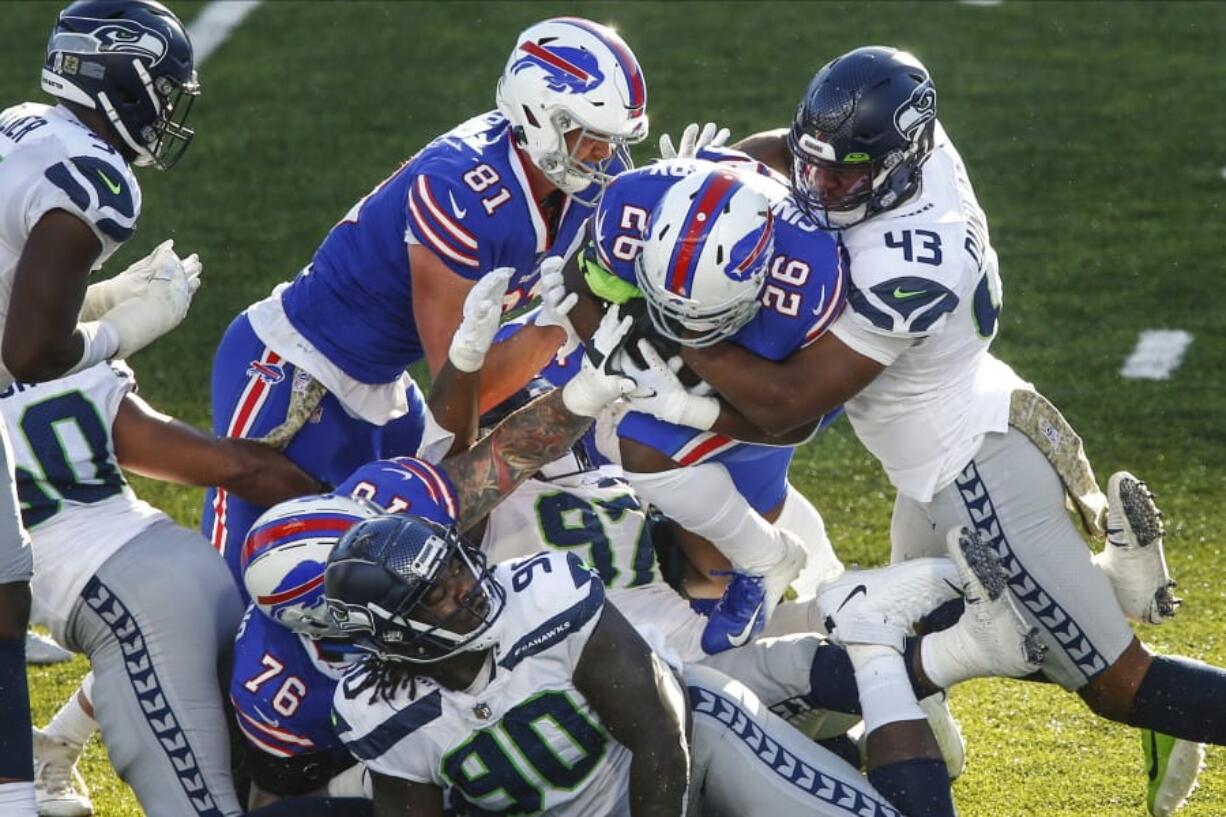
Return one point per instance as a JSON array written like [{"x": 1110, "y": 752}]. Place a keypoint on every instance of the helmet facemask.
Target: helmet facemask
[
  {"x": 407, "y": 630},
  {"x": 563, "y": 167}
]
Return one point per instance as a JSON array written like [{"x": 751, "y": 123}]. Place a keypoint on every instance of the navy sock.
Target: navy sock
[
  {"x": 16, "y": 751},
  {"x": 832, "y": 679},
  {"x": 918, "y": 787},
  {"x": 843, "y": 747},
  {"x": 1182, "y": 698}
]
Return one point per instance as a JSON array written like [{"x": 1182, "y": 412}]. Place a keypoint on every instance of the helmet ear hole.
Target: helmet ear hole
[{"x": 532, "y": 120}]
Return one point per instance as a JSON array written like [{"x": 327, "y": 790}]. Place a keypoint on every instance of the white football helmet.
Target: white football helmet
[
  {"x": 285, "y": 553},
  {"x": 705, "y": 256},
  {"x": 569, "y": 74}
]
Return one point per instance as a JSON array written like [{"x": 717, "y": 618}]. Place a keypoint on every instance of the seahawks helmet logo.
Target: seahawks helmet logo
[
  {"x": 917, "y": 111},
  {"x": 110, "y": 37}
]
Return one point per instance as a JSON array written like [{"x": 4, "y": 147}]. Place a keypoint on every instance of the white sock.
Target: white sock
[
  {"x": 885, "y": 691},
  {"x": 71, "y": 723},
  {"x": 942, "y": 655},
  {"x": 17, "y": 799}
]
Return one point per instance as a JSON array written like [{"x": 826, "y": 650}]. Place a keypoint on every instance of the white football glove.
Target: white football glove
[
  {"x": 660, "y": 393},
  {"x": 482, "y": 316},
  {"x": 556, "y": 305},
  {"x": 103, "y": 296},
  {"x": 692, "y": 141},
  {"x": 596, "y": 385},
  {"x": 160, "y": 305}
]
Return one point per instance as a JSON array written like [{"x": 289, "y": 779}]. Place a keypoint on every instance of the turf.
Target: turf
[{"x": 1093, "y": 133}]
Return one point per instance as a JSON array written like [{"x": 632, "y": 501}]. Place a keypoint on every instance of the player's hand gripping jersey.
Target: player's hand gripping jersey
[
  {"x": 464, "y": 197},
  {"x": 522, "y": 739},
  {"x": 50, "y": 161},
  {"x": 924, "y": 300},
  {"x": 73, "y": 495}
]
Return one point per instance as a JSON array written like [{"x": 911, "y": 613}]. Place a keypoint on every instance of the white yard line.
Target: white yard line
[
  {"x": 1159, "y": 353},
  {"x": 213, "y": 25},
  {"x": 981, "y": 2}
]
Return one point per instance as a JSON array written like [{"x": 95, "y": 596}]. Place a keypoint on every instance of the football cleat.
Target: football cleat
[
  {"x": 59, "y": 789},
  {"x": 738, "y": 617},
  {"x": 1133, "y": 557},
  {"x": 42, "y": 650},
  {"x": 879, "y": 606},
  {"x": 947, "y": 731},
  {"x": 991, "y": 639},
  {"x": 1173, "y": 765}
]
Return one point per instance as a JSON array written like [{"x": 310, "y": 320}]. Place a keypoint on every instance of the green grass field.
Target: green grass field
[{"x": 1094, "y": 133}]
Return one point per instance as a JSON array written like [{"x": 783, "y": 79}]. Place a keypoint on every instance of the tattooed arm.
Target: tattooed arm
[{"x": 538, "y": 433}]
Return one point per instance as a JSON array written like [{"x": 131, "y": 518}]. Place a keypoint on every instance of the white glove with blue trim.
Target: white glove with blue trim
[{"x": 481, "y": 319}]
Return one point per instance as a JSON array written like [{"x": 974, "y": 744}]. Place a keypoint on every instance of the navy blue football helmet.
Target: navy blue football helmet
[
  {"x": 861, "y": 134},
  {"x": 131, "y": 61},
  {"x": 378, "y": 579}
]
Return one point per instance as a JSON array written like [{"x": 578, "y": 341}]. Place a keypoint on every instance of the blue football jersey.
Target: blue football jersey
[
  {"x": 804, "y": 293},
  {"x": 282, "y": 687},
  {"x": 404, "y": 485},
  {"x": 465, "y": 197},
  {"x": 806, "y": 286}
]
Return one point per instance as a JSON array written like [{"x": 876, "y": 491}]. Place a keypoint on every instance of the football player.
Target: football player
[
  {"x": 516, "y": 689},
  {"x": 153, "y": 646},
  {"x": 286, "y": 666},
  {"x": 385, "y": 287},
  {"x": 963, "y": 439},
  {"x": 122, "y": 74},
  {"x": 727, "y": 256}
]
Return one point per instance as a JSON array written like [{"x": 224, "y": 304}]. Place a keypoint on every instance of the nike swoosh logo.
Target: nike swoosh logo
[
  {"x": 904, "y": 294},
  {"x": 858, "y": 589},
  {"x": 742, "y": 638},
  {"x": 455, "y": 208},
  {"x": 270, "y": 721},
  {"x": 110, "y": 185}
]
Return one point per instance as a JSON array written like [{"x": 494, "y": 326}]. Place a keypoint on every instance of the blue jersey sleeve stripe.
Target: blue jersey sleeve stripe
[
  {"x": 114, "y": 230},
  {"x": 61, "y": 177},
  {"x": 432, "y": 239},
  {"x": 557, "y": 628},
  {"x": 398, "y": 727},
  {"x": 466, "y": 238}
]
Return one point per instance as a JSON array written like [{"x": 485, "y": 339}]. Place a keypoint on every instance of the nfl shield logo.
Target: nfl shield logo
[{"x": 483, "y": 711}]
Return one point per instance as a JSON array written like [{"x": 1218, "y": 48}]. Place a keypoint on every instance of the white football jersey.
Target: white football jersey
[
  {"x": 74, "y": 499},
  {"x": 599, "y": 518},
  {"x": 924, "y": 300},
  {"x": 50, "y": 161},
  {"x": 522, "y": 739},
  {"x": 594, "y": 514}
]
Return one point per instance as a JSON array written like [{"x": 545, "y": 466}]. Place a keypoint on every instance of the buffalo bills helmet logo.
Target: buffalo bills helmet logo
[
  {"x": 112, "y": 37},
  {"x": 919, "y": 109},
  {"x": 567, "y": 70}
]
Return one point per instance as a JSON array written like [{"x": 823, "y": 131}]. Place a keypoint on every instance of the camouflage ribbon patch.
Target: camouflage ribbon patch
[
  {"x": 306, "y": 395},
  {"x": 1033, "y": 414}
]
